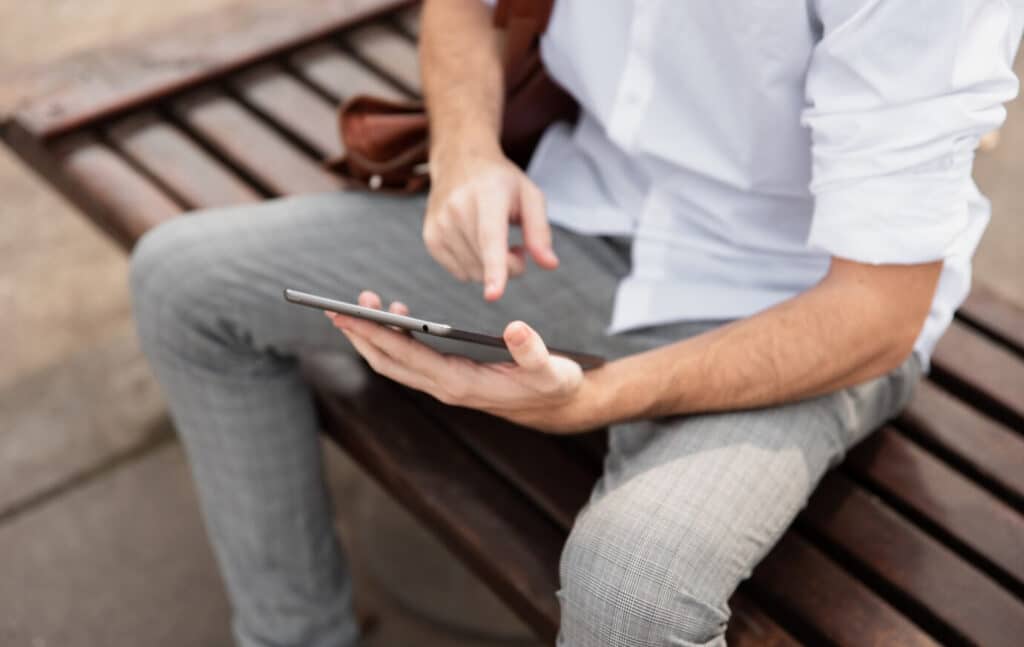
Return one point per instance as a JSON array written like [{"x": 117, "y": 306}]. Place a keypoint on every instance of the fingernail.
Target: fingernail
[{"x": 519, "y": 335}]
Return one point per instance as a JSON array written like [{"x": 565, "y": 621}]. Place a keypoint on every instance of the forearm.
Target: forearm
[
  {"x": 460, "y": 60},
  {"x": 835, "y": 335}
]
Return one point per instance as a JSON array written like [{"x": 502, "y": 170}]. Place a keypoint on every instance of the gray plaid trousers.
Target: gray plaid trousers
[{"x": 686, "y": 506}]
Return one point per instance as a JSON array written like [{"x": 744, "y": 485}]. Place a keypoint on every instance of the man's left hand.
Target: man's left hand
[{"x": 538, "y": 389}]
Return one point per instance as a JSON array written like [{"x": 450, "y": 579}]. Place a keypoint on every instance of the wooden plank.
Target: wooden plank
[
  {"x": 116, "y": 197},
  {"x": 188, "y": 172},
  {"x": 59, "y": 97},
  {"x": 485, "y": 521},
  {"x": 928, "y": 578},
  {"x": 292, "y": 105},
  {"x": 995, "y": 315},
  {"x": 252, "y": 145},
  {"x": 751, "y": 626},
  {"x": 535, "y": 463},
  {"x": 386, "y": 49},
  {"x": 937, "y": 492},
  {"x": 341, "y": 76},
  {"x": 989, "y": 450},
  {"x": 800, "y": 579},
  {"x": 991, "y": 376}
]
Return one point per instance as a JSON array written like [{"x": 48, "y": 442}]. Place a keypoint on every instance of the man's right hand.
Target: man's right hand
[{"x": 473, "y": 199}]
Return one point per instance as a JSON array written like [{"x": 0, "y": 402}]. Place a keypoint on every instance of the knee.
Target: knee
[
  {"x": 630, "y": 576},
  {"x": 171, "y": 266}
]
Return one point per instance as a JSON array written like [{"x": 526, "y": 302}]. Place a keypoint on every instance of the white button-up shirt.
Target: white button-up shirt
[{"x": 743, "y": 143}]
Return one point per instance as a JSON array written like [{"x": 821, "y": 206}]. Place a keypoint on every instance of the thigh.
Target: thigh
[
  {"x": 688, "y": 506},
  {"x": 223, "y": 272}
]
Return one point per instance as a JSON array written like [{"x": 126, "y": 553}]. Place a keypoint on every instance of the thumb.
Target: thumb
[{"x": 526, "y": 346}]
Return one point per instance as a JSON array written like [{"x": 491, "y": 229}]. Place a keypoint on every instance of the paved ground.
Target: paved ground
[{"x": 100, "y": 537}]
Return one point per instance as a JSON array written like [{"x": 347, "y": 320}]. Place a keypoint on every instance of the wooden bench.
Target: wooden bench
[{"x": 917, "y": 538}]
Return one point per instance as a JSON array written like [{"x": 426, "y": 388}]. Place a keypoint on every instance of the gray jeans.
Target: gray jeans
[{"x": 685, "y": 509}]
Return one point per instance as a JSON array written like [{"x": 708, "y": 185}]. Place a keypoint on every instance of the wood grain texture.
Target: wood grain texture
[
  {"x": 929, "y": 577},
  {"x": 384, "y": 47},
  {"x": 536, "y": 464},
  {"x": 292, "y": 105},
  {"x": 985, "y": 447},
  {"x": 122, "y": 201},
  {"x": 991, "y": 375},
  {"x": 252, "y": 145},
  {"x": 484, "y": 520},
  {"x": 64, "y": 95},
  {"x": 940, "y": 494},
  {"x": 341, "y": 76},
  {"x": 997, "y": 316},
  {"x": 191, "y": 174},
  {"x": 804, "y": 582}
]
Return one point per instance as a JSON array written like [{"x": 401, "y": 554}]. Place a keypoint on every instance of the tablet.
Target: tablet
[{"x": 412, "y": 324}]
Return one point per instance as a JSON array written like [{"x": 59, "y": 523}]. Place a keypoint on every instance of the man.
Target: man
[{"x": 765, "y": 213}]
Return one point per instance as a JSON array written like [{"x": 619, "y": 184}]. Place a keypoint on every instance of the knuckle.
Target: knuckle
[
  {"x": 458, "y": 207},
  {"x": 431, "y": 236}
]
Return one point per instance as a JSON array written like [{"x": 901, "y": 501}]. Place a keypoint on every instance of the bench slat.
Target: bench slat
[
  {"x": 988, "y": 448},
  {"x": 339, "y": 75},
  {"x": 950, "y": 501},
  {"x": 121, "y": 199},
  {"x": 292, "y": 105},
  {"x": 536, "y": 464},
  {"x": 914, "y": 564},
  {"x": 979, "y": 366},
  {"x": 803, "y": 581},
  {"x": 486, "y": 522},
  {"x": 189, "y": 173},
  {"x": 388, "y": 50},
  {"x": 65, "y": 95},
  {"x": 252, "y": 145},
  {"x": 988, "y": 311},
  {"x": 751, "y": 626}
]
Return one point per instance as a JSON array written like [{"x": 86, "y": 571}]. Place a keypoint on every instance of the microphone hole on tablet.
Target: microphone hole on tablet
[{"x": 424, "y": 327}]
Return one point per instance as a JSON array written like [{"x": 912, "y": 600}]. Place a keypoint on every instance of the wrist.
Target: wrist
[
  {"x": 462, "y": 147},
  {"x": 596, "y": 403}
]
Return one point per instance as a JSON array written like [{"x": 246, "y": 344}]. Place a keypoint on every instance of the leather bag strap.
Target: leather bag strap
[{"x": 523, "y": 22}]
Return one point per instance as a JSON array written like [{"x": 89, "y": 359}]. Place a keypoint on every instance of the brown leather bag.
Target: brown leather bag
[{"x": 386, "y": 142}]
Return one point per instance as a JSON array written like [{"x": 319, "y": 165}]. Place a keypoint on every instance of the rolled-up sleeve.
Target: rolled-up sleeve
[{"x": 898, "y": 94}]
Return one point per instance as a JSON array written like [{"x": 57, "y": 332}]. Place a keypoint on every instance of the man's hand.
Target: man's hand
[
  {"x": 538, "y": 389},
  {"x": 473, "y": 199},
  {"x": 475, "y": 190}
]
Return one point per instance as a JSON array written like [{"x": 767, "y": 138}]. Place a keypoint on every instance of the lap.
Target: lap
[
  {"x": 687, "y": 506},
  {"x": 230, "y": 265}
]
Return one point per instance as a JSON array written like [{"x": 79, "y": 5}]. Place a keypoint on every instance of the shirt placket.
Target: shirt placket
[{"x": 637, "y": 82}]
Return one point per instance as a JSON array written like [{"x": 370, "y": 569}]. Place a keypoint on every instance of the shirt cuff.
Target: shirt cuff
[{"x": 903, "y": 218}]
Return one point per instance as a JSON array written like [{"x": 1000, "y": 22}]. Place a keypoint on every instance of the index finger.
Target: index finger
[{"x": 492, "y": 239}]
